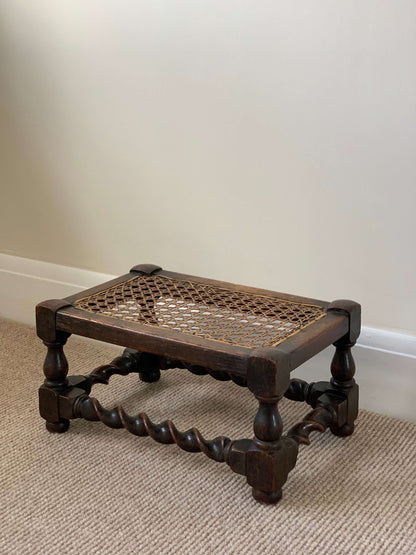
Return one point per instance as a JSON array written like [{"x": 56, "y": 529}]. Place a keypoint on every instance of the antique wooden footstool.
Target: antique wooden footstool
[{"x": 250, "y": 336}]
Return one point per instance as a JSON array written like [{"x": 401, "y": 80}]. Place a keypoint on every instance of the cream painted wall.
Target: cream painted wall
[{"x": 265, "y": 142}]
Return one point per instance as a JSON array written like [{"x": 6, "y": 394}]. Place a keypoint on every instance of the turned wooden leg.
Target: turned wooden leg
[
  {"x": 149, "y": 368},
  {"x": 343, "y": 367},
  {"x": 269, "y": 457},
  {"x": 268, "y": 429},
  {"x": 343, "y": 370},
  {"x": 55, "y": 369},
  {"x": 147, "y": 365}
]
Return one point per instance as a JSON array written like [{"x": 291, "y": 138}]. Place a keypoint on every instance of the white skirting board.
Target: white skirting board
[{"x": 386, "y": 361}]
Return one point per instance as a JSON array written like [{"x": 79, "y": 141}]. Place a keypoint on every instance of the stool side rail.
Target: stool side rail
[
  {"x": 243, "y": 288},
  {"x": 160, "y": 341},
  {"x": 196, "y": 279}
]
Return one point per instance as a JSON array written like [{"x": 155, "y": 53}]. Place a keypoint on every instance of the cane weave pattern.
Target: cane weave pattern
[{"x": 237, "y": 318}]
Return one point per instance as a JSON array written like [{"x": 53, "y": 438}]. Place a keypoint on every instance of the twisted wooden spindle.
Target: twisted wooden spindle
[
  {"x": 202, "y": 371},
  {"x": 216, "y": 374},
  {"x": 298, "y": 390},
  {"x": 141, "y": 425},
  {"x": 121, "y": 365},
  {"x": 317, "y": 420}
]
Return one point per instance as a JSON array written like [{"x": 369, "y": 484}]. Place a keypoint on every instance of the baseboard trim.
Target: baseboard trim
[
  {"x": 390, "y": 342},
  {"x": 25, "y": 282}
]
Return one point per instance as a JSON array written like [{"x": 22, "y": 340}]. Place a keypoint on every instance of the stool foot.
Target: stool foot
[
  {"x": 343, "y": 431},
  {"x": 146, "y": 364},
  {"x": 268, "y": 498},
  {"x": 150, "y": 376},
  {"x": 58, "y": 427}
]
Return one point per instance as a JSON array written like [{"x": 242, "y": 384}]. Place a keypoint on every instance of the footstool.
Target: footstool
[{"x": 250, "y": 336}]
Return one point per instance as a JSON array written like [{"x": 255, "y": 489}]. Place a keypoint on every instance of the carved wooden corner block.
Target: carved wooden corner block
[
  {"x": 49, "y": 403},
  {"x": 79, "y": 386},
  {"x": 56, "y": 405},
  {"x": 353, "y": 311},
  {"x": 268, "y": 373},
  {"x": 347, "y": 409},
  {"x": 342, "y": 402},
  {"x": 145, "y": 269},
  {"x": 46, "y": 321},
  {"x": 267, "y": 469}
]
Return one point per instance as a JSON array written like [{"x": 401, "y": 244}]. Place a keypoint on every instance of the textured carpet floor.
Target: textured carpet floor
[{"x": 96, "y": 490}]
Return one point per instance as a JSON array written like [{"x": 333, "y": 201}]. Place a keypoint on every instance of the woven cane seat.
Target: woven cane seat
[{"x": 204, "y": 310}]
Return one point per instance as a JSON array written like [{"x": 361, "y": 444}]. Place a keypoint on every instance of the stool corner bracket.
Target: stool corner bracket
[
  {"x": 268, "y": 372},
  {"x": 46, "y": 320},
  {"x": 146, "y": 269},
  {"x": 352, "y": 310},
  {"x": 267, "y": 470}
]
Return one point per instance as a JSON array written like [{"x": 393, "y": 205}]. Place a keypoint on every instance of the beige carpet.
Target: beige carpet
[{"x": 96, "y": 490}]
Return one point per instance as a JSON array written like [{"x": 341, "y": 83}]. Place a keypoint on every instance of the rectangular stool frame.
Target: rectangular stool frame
[{"x": 269, "y": 456}]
